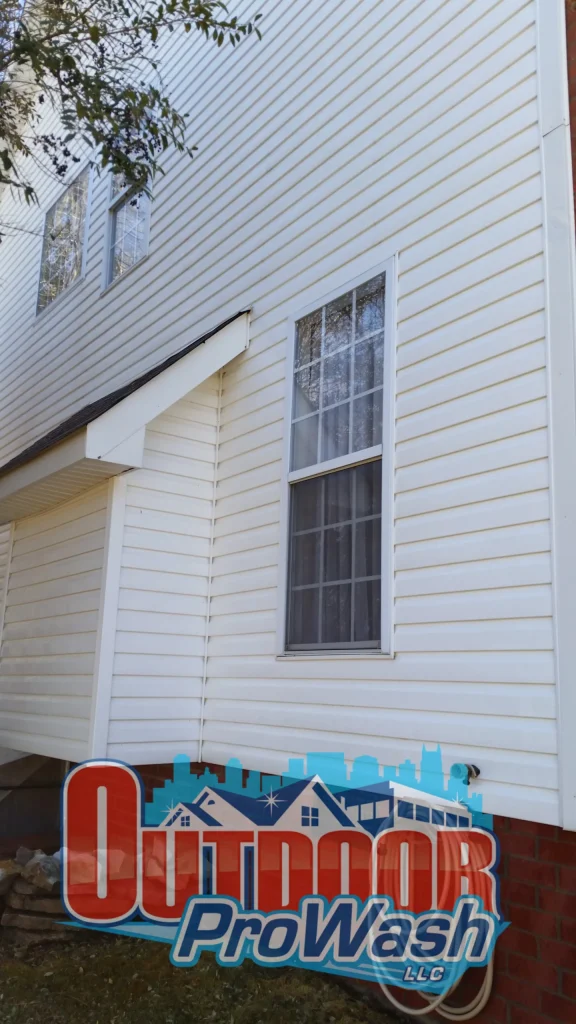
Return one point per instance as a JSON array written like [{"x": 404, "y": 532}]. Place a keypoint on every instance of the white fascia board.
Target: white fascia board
[{"x": 133, "y": 413}]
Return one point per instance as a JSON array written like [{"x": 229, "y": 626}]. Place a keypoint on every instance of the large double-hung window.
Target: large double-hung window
[{"x": 335, "y": 591}]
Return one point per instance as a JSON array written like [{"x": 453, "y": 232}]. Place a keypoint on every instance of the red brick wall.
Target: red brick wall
[{"x": 535, "y": 981}]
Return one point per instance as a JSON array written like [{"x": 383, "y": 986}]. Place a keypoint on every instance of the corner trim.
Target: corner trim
[
  {"x": 106, "y": 633},
  {"x": 560, "y": 284}
]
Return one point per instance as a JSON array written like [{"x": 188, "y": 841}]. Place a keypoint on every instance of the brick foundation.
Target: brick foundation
[{"x": 535, "y": 981}]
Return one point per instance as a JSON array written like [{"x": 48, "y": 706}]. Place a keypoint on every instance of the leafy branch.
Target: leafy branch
[{"x": 96, "y": 62}]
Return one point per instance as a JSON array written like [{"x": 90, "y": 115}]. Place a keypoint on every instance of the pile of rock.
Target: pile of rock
[{"x": 30, "y": 890}]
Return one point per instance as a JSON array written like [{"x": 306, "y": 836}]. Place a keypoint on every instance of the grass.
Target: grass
[{"x": 106, "y": 980}]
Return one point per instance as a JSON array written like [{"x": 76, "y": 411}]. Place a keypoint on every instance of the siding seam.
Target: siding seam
[
  {"x": 210, "y": 567},
  {"x": 4, "y": 595}
]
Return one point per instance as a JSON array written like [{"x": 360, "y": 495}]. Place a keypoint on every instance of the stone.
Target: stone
[
  {"x": 9, "y": 871},
  {"x": 15, "y": 901},
  {"x": 38, "y": 904},
  {"x": 25, "y": 888},
  {"x": 42, "y": 871},
  {"x": 26, "y": 939},
  {"x": 23, "y": 855},
  {"x": 44, "y": 905},
  {"x": 30, "y": 922}
]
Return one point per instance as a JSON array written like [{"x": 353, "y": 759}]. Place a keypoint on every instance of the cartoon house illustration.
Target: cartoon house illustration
[
  {"x": 384, "y": 805},
  {"x": 306, "y": 804}
]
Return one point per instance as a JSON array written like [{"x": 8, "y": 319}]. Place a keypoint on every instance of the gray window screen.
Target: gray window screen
[
  {"x": 335, "y": 558},
  {"x": 335, "y": 574}
]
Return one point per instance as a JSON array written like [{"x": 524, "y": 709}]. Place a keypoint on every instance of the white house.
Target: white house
[{"x": 289, "y": 454}]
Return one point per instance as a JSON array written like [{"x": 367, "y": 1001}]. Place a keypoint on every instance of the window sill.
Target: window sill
[
  {"x": 117, "y": 280},
  {"x": 335, "y": 655}
]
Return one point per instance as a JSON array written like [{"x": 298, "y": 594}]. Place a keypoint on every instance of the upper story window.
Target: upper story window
[
  {"x": 64, "y": 238},
  {"x": 335, "y": 479},
  {"x": 130, "y": 219}
]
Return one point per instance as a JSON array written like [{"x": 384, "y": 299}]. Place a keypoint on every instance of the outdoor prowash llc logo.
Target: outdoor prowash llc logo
[{"x": 370, "y": 873}]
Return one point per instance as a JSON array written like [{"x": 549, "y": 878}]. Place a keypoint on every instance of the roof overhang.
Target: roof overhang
[{"x": 78, "y": 455}]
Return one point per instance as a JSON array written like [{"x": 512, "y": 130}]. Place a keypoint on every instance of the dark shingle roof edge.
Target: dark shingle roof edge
[{"x": 91, "y": 412}]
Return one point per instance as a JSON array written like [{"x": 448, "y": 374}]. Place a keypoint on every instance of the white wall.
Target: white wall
[
  {"x": 163, "y": 600},
  {"x": 50, "y": 628},
  {"x": 454, "y": 184},
  {"x": 351, "y": 132}
]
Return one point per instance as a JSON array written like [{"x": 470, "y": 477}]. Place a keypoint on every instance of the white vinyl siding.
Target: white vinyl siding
[
  {"x": 473, "y": 629},
  {"x": 163, "y": 600},
  {"x": 351, "y": 133},
  {"x": 50, "y": 628}
]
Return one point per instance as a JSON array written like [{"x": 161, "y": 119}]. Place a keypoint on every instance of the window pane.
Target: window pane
[
  {"x": 309, "y": 338},
  {"x": 305, "y": 443},
  {"x": 306, "y": 390},
  {"x": 129, "y": 233},
  {"x": 338, "y": 497},
  {"x": 338, "y": 553},
  {"x": 63, "y": 243},
  {"x": 307, "y": 505},
  {"x": 367, "y": 557},
  {"x": 369, "y": 364},
  {"x": 336, "y": 611},
  {"x": 335, "y": 432},
  {"x": 338, "y": 330},
  {"x": 326, "y": 343},
  {"x": 306, "y": 558},
  {"x": 367, "y": 611},
  {"x": 340, "y": 513},
  {"x": 369, "y": 489},
  {"x": 336, "y": 382},
  {"x": 304, "y": 617},
  {"x": 370, "y": 306},
  {"x": 367, "y": 423}
]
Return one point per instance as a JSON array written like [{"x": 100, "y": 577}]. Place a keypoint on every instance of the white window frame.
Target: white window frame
[
  {"x": 385, "y": 450},
  {"x": 114, "y": 204},
  {"x": 89, "y": 166}
]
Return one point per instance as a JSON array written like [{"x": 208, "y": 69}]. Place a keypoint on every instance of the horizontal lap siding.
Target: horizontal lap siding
[
  {"x": 350, "y": 132},
  {"x": 163, "y": 600},
  {"x": 50, "y": 628},
  {"x": 458, "y": 189},
  {"x": 314, "y": 145}
]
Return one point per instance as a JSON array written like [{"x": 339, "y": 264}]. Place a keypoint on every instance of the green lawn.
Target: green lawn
[{"x": 106, "y": 980}]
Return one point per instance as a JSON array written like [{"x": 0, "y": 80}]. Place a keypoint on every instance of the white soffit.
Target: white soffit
[{"x": 114, "y": 441}]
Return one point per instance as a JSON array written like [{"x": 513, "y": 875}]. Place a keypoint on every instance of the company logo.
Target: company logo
[{"x": 377, "y": 880}]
